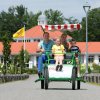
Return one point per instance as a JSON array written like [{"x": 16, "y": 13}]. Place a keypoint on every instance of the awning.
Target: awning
[{"x": 61, "y": 27}]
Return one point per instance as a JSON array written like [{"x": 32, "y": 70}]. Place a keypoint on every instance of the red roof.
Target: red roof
[
  {"x": 93, "y": 47},
  {"x": 55, "y": 34},
  {"x": 31, "y": 47},
  {"x": 17, "y": 46},
  {"x": 34, "y": 32},
  {"x": 37, "y": 32}
]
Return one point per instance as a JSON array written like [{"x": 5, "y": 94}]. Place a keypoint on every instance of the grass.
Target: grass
[{"x": 96, "y": 84}]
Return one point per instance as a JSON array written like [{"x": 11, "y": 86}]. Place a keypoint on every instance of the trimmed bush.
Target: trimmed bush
[{"x": 96, "y": 68}]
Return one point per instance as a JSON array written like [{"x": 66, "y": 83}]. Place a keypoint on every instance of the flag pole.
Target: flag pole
[{"x": 24, "y": 44}]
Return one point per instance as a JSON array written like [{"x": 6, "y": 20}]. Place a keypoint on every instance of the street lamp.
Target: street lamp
[{"x": 86, "y": 8}]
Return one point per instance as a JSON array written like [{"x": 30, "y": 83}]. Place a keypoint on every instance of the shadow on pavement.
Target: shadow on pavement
[{"x": 64, "y": 89}]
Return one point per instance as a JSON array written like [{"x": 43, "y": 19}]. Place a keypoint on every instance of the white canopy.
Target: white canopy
[{"x": 61, "y": 27}]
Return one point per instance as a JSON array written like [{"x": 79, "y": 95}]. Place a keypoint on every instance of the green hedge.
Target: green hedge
[
  {"x": 96, "y": 68},
  {"x": 30, "y": 71}
]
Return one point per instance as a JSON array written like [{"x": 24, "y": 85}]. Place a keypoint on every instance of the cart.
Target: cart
[{"x": 68, "y": 73}]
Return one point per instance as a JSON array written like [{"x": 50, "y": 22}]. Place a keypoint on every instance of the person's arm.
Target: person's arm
[
  {"x": 69, "y": 49},
  {"x": 68, "y": 45},
  {"x": 63, "y": 49},
  {"x": 40, "y": 49},
  {"x": 79, "y": 50},
  {"x": 53, "y": 49}
]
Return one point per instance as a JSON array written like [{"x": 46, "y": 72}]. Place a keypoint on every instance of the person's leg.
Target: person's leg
[
  {"x": 41, "y": 59},
  {"x": 60, "y": 61},
  {"x": 78, "y": 67},
  {"x": 57, "y": 60}
]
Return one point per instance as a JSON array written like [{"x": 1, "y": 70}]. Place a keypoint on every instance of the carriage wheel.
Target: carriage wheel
[
  {"x": 42, "y": 84},
  {"x": 46, "y": 76},
  {"x": 74, "y": 75},
  {"x": 78, "y": 84}
]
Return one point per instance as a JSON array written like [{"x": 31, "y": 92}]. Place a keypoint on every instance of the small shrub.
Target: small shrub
[
  {"x": 31, "y": 71},
  {"x": 96, "y": 68},
  {"x": 83, "y": 69}
]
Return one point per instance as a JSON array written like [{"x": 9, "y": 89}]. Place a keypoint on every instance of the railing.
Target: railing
[{"x": 11, "y": 77}]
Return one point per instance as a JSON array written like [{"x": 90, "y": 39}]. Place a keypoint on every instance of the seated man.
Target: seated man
[
  {"x": 45, "y": 45},
  {"x": 76, "y": 50}
]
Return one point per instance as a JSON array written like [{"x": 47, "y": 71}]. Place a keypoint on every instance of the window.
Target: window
[
  {"x": 34, "y": 40},
  {"x": 19, "y": 40},
  {"x": 38, "y": 40},
  {"x": 91, "y": 59}
]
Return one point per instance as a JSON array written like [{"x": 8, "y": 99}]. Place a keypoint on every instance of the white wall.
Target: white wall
[
  {"x": 33, "y": 59},
  {"x": 96, "y": 59},
  {"x": 85, "y": 59}
]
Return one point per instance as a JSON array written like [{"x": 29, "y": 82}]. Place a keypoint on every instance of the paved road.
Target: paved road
[{"x": 29, "y": 90}]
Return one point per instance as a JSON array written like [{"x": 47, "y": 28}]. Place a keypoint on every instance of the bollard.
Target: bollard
[
  {"x": 99, "y": 80},
  {"x": 96, "y": 79},
  {"x": 92, "y": 78},
  {"x": 8, "y": 77}
]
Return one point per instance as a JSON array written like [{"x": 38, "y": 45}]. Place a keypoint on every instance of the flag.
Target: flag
[{"x": 19, "y": 33}]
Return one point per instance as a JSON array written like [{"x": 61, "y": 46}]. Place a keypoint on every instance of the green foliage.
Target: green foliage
[
  {"x": 93, "y": 25},
  {"x": 77, "y": 34},
  {"x": 83, "y": 69},
  {"x": 96, "y": 68},
  {"x": 1, "y": 68},
  {"x": 32, "y": 71},
  {"x": 11, "y": 69},
  {"x": 54, "y": 17},
  {"x": 6, "y": 53},
  {"x": 72, "y": 20},
  {"x": 16, "y": 18},
  {"x": 26, "y": 56},
  {"x": 92, "y": 68},
  {"x": 21, "y": 60}
]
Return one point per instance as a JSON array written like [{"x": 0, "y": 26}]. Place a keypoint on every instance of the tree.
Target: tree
[
  {"x": 93, "y": 25},
  {"x": 21, "y": 60},
  {"x": 72, "y": 20},
  {"x": 16, "y": 18},
  {"x": 54, "y": 17},
  {"x": 6, "y": 53},
  {"x": 76, "y": 34}
]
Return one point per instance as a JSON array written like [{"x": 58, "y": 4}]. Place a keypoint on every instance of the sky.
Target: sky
[{"x": 69, "y": 8}]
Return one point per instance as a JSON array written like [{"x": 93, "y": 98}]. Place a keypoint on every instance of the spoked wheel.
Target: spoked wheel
[
  {"x": 46, "y": 76},
  {"x": 78, "y": 84},
  {"x": 74, "y": 75}
]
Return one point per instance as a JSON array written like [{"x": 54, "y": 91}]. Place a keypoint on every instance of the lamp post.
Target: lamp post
[{"x": 86, "y": 8}]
